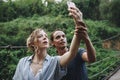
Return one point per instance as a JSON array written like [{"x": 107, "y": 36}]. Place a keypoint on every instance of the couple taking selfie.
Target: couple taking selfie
[{"x": 69, "y": 64}]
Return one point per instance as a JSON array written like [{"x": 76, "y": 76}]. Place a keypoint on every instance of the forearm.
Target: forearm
[
  {"x": 74, "y": 46},
  {"x": 91, "y": 52},
  {"x": 77, "y": 16},
  {"x": 67, "y": 57}
]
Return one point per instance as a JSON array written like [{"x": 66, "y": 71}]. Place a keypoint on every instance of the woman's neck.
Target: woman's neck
[{"x": 39, "y": 55}]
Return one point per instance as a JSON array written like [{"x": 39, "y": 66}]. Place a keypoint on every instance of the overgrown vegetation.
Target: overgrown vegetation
[
  {"x": 12, "y": 32},
  {"x": 92, "y": 9},
  {"x": 18, "y": 19}
]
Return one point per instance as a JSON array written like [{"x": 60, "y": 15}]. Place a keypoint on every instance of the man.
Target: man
[{"x": 76, "y": 68}]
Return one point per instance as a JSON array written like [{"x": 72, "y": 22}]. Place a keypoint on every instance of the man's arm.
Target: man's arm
[
  {"x": 81, "y": 32},
  {"x": 90, "y": 55}
]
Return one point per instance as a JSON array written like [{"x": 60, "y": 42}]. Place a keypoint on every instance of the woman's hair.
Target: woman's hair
[
  {"x": 32, "y": 38},
  {"x": 51, "y": 36}
]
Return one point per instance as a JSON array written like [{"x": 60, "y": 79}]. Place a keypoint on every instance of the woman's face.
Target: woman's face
[
  {"x": 59, "y": 39},
  {"x": 42, "y": 40}
]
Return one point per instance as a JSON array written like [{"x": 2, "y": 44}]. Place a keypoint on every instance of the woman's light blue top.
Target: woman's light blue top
[{"x": 51, "y": 69}]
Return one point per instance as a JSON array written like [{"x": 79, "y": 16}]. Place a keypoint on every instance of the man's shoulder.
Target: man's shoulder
[
  {"x": 81, "y": 50},
  {"x": 79, "y": 54}
]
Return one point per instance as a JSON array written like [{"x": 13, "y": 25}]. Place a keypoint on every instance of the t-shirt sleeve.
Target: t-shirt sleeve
[{"x": 80, "y": 53}]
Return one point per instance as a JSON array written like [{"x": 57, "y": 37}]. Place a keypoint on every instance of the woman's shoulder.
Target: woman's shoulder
[
  {"x": 25, "y": 59},
  {"x": 52, "y": 57}
]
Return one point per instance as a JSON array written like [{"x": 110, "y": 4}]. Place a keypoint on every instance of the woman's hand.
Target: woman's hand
[{"x": 76, "y": 14}]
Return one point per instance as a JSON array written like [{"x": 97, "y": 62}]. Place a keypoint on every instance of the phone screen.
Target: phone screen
[{"x": 70, "y": 4}]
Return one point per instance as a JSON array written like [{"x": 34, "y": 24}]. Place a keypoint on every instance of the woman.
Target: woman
[{"x": 41, "y": 66}]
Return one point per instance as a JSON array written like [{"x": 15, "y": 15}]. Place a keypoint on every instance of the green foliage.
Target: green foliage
[
  {"x": 93, "y": 9},
  {"x": 100, "y": 31},
  {"x": 115, "y": 12},
  {"x": 25, "y": 8},
  {"x": 52, "y": 51},
  {"x": 110, "y": 10},
  {"x": 107, "y": 61},
  {"x": 12, "y": 32},
  {"x": 104, "y": 9},
  {"x": 8, "y": 61},
  {"x": 56, "y": 9},
  {"x": 33, "y": 14}
]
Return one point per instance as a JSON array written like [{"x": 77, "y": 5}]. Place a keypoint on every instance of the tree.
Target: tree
[
  {"x": 93, "y": 9},
  {"x": 115, "y": 12}
]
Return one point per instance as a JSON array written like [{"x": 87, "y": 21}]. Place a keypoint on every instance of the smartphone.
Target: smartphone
[{"x": 71, "y": 4}]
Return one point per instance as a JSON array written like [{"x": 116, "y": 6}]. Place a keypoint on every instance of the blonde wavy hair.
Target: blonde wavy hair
[{"x": 33, "y": 38}]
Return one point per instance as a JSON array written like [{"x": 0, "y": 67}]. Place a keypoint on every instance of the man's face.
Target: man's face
[{"x": 59, "y": 39}]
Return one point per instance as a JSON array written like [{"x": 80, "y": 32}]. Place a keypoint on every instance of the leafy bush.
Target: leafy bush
[{"x": 8, "y": 61}]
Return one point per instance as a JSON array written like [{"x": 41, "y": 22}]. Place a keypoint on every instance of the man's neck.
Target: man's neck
[{"x": 62, "y": 50}]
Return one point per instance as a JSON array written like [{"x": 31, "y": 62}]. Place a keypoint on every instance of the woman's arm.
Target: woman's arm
[{"x": 68, "y": 56}]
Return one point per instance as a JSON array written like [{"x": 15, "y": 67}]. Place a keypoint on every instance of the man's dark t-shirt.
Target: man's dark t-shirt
[{"x": 76, "y": 69}]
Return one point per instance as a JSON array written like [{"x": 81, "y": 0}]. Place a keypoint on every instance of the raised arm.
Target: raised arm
[
  {"x": 68, "y": 56},
  {"x": 90, "y": 55}
]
